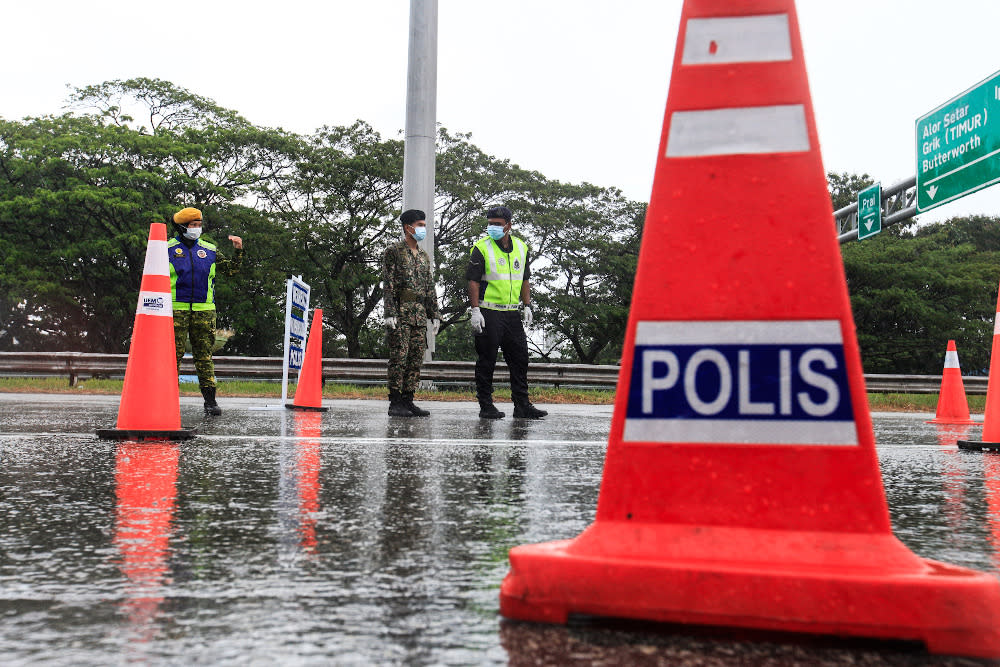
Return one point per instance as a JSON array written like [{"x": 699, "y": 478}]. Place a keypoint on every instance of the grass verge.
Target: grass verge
[{"x": 256, "y": 389}]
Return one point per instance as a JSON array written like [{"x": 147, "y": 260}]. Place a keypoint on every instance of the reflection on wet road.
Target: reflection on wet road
[{"x": 348, "y": 537}]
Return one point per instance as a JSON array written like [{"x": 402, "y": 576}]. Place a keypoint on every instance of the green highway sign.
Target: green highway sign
[
  {"x": 870, "y": 211},
  {"x": 958, "y": 146}
]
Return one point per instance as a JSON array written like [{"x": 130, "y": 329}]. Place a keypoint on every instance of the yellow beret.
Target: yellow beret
[{"x": 186, "y": 215}]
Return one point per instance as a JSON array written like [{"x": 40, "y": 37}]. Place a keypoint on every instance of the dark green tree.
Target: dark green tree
[
  {"x": 585, "y": 283},
  {"x": 914, "y": 290},
  {"x": 844, "y": 187},
  {"x": 341, "y": 211},
  {"x": 78, "y": 191}
]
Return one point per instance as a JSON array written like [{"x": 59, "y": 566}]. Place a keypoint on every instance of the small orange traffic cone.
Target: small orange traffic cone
[
  {"x": 953, "y": 406},
  {"x": 150, "y": 402},
  {"x": 309, "y": 392}
]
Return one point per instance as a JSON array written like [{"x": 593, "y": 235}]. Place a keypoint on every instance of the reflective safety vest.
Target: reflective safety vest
[
  {"x": 192, "y": 274},
  {"x": 504, "y": 273}
]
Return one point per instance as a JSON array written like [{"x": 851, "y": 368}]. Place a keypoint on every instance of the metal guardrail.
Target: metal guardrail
[{"x": 75, "y": 365}]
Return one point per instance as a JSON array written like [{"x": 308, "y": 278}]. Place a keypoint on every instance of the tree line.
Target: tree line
[
  {"x": 913, "y": 287},
  {"x": 78, "y": 191}
]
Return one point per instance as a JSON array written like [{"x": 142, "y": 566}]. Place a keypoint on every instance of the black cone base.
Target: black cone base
[
  {"x": 979, "y": 446},
  {"x": 132, "y": 434}
]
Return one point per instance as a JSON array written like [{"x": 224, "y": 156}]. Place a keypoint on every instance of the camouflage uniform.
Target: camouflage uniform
[
  {"x": 199, "y": 327},
  {"x": 409, "y": 296}
]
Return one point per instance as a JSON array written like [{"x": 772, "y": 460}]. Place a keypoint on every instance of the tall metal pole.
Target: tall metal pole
[{"x": 421, "y": 118}]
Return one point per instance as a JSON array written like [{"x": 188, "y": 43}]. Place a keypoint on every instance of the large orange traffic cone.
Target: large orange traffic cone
[
  {"x": 741, "y": 485},
  {"x": 953, "y": 406},
  {"x": 150, "y": 402},
  {"x": 309, "y": 391}
]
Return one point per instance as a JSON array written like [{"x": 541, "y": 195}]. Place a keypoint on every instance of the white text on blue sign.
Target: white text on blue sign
[
  {"x": 300, "y": 296},
  {"x": 740, "y": 382},
  {"x": 295, "y": 357}
]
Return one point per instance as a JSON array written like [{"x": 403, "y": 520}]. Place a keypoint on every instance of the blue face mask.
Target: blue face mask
[
  {"x": 419, "y": 233},
  {"x": 495, "y": 232}
]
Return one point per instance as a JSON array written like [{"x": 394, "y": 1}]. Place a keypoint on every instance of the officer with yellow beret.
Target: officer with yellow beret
[{"x": 192, "y": 284}]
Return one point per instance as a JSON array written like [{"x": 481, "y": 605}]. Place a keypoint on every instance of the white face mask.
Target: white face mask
[{"x": 192, "y": 233}]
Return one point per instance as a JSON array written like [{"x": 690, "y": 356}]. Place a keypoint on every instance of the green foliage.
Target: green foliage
[
  {"x": 914, "y": 291},
  {"x": 583, "y": 243},
  {"x": 844, "y": 188},
  {"x": 340, "y": 208},
  {"x": 79, "y": 190}
]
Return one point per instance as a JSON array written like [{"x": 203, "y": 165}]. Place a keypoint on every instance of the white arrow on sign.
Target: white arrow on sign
[
  {"x": 932, "y": 191},
  {"x": 868, "y": 225}
]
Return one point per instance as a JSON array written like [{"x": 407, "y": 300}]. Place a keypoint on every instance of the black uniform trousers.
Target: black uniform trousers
[{"x": 503, "y": 331}]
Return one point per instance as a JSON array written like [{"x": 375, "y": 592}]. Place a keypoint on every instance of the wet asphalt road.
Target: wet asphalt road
[{"x": 348, "y": 537}]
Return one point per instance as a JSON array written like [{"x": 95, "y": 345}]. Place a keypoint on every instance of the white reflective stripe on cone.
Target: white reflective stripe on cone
[
  {"x": 737, "y": 39},
  {"x": 157, "y": 263},
  {"x": 738, "y": 131}
]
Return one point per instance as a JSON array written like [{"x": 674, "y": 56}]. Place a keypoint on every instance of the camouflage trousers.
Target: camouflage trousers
[
  {"x": 406, "y": 355},
  {"x": 199, "y": 326}
]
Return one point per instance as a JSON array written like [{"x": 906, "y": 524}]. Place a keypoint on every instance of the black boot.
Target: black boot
[
  {"x": 525, "y": 410},
  {"x": 212, "y": 408},
  {"x": 397, "y": 407},
  {"x": 414, "y": 410},
  {"x": 489, "y": 411}
]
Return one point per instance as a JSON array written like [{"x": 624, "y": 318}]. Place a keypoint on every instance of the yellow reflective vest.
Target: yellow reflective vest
[{"x": 504, "y": 273}]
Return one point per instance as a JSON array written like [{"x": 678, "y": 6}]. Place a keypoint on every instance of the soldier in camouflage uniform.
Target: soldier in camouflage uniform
[
  {"x": 409, "y": 300},
  {"x": 192, "y": 282}
]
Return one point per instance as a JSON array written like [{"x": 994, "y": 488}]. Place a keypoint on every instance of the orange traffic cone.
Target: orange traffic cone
[
  {"x": 309, "y": 392},
  {"x": 741, "y": 485},
  {"x": 150, "y": 402},
  {"x": 991, "y": 417},
  {"x": 953, "y": 406}
]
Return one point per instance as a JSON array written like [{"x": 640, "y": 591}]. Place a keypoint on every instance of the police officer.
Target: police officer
[
  {"x": 192, "y": 283},
  {"x": 409, "y": 300},
  {"x": 498, "y": 276}
]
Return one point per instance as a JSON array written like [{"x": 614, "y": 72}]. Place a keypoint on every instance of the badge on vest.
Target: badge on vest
[
  {"x": 502, "y": 261},
  {"x": 517, "y": 265},
  {"x": 179, "y": 252},
  {"x": 202, "y": 254}
]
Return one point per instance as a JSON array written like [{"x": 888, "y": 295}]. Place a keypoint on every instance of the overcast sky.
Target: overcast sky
[{"x": 574, "y": 89}]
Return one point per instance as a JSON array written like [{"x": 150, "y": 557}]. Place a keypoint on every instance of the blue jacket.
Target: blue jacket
[{"x": 192, "y": 274}]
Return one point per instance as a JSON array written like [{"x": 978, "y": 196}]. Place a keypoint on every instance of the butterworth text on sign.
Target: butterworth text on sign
[{"x": 958, "y": 146}]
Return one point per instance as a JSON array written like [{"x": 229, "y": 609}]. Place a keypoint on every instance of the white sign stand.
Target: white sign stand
[{"x": 296, "y": 327}]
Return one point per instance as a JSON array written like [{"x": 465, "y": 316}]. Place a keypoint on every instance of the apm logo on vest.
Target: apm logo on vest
[{"x": 740, "y": 382}]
